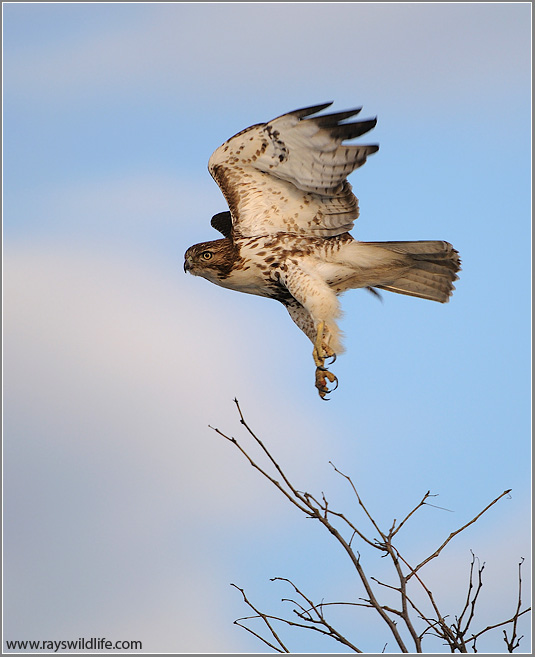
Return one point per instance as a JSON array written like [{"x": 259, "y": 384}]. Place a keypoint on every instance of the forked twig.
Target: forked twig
[
  {"x": 265, "y": 618},
  {"x": 457, "y": 531},
  {"x": 514, "y": 642}
]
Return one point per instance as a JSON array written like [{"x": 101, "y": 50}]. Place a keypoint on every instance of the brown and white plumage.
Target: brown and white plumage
[
  {"x": 289, "y": 175},
  {"x": 286, "y": 235}
]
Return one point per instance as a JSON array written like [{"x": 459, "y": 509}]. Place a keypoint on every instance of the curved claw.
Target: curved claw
[
  {"x": 334, "y": 380},
  {"x": 333, "y": 356},
  {"x": 321, "y": 384}
]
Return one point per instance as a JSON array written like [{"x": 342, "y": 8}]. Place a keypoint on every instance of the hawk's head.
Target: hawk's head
[{"x": 212, "y": 260}]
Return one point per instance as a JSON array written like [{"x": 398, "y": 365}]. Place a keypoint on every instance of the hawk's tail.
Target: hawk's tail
[{"x": 428, "y": 271}]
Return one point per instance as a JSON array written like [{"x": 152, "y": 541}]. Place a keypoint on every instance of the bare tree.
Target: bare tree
[{"x": 415, "y": 616}]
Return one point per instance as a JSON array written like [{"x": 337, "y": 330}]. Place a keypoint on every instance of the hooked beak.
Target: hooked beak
[{"x": 187, "y": 264}]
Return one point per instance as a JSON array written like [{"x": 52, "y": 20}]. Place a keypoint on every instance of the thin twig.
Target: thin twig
[
  {"x": 458, "y": 531},
  {"x": 320, "y": 618},
  {"x": 513, "y": 642},
  {"x": 264, "y": 617},
  {"x": 376, "y": 526},
  {"x": 336, "y": 514},
  {"x": 475, "y": 596},
  {"x": 393, "y": 531},
  {"x": 505, "y": 622},
  {"x": 262, "y": 471}
]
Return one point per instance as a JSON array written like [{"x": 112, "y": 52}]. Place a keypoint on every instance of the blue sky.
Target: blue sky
[{"x": 125, "y": 516}]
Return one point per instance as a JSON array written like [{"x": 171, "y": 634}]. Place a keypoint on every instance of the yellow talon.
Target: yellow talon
[
  {"x": 317, "y": 352},
  {"x": 320, "y": 352},
  {"x": 321, "y": 383}
]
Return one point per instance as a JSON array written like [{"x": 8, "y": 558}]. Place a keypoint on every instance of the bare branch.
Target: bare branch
[
  {"x": 307, "y": 507},
  {"x": 266, "y": 452},
  {"x": 393, "y": 531},
  {"x": 311, "y": 616},
  {"x": 505, "y": 622},
  {"x": 471, "y": 603},
  {"x": 303, "y": 614},
  {"x": 513, "y": 642},
  {"x": 263, "y": 472},
  {"x": 458, "y": 531},
  {"x": 324, "y": 507},
  {"x": 258, "y": 636},
  {"x": 264, "y": 617},
  {"x": 320, "y": 619},
  {"x": 383, "y": 537},
  {"x": 445, "y": 632}
]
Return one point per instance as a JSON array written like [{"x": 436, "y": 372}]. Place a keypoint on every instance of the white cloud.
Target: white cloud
[
  {"x": 113, "y": 371},
  {"x": 147, "y": 350},
  {"x": 123, "y": 204}
]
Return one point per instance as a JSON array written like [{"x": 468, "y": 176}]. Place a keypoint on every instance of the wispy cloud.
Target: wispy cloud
[
  {"x": 114, "y": 208},
  {"x": 202, "y": 51}
]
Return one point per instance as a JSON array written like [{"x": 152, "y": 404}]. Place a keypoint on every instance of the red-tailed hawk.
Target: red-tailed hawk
[{"x": 286, "y": 235}]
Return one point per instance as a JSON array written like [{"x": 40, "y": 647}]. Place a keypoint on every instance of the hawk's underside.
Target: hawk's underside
[{"x": 286, "y": 235}]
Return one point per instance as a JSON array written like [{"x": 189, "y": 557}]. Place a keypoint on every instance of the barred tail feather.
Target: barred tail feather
[{"x": 433, "y": 267}]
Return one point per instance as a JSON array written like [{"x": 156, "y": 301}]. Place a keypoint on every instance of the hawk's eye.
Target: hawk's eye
[{"x": 206, "y": 255}]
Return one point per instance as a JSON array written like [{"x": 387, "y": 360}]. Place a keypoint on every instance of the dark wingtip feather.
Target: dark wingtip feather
[
  {"x": 333, "y": 121},
  {"x": 329, "y": 120},
  {"x": 307, "y": 111},
  {"x": 352, "y": 130}
]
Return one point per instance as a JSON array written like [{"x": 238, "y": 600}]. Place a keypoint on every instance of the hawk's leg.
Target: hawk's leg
[{"x": 320, "y": 352}]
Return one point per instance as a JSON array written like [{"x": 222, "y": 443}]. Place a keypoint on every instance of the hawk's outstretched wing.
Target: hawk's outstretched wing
[{"x": 289, "y": 175}]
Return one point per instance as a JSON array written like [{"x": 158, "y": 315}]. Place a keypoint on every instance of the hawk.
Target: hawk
[{"x": 286, "y": 235}]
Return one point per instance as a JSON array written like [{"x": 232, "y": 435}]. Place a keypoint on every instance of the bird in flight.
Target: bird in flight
[{"x": 286, "y": 236}]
